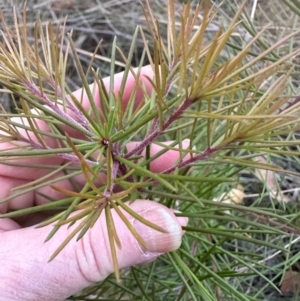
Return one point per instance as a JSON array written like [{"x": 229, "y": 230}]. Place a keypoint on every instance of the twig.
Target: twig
[
  {"x": 205, "y": 154},
  {"x": 175, "y": 116},
  {"x": 38, "y": 93},
  {"x": 266, "y": 220}
]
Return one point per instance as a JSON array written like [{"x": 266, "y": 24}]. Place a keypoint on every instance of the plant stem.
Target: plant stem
[
  {"x": 74, "y": 159},
  {"x": 175, "y": 116},
  {"x": 203, "y": 155},
  {"x": 81, "y": 118},
  {"x": 38, "y": 93},
  {"x": 285, "y": 227}
]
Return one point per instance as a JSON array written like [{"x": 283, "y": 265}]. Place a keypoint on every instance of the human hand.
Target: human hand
[{"x": 25, "y": 272}]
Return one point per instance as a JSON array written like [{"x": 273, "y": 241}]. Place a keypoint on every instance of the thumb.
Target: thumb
[{"x": 27, "y": 275}]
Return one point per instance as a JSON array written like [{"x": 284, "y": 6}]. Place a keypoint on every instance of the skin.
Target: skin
[{"x": 25, "y": 272}]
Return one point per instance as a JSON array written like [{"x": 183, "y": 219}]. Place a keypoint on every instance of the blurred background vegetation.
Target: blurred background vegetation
[{"x": 95, "y": 20}]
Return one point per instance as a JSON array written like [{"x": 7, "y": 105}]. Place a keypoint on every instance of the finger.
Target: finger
[
  {"x": 36, "y": 197},
  {"x": 137, "y": 76},
  {"x": 167, "y": 159},
  {"x": 20, "y": 199},
  {"x": 81, "y": 263},
  {"x": 145, "y": 73}
]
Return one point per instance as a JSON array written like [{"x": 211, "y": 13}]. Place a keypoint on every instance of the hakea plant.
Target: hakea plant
[{"x": 218, "y": 112}]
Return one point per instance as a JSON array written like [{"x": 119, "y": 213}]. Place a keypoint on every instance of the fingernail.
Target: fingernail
[
  {"x": 183, "y": 221},
  {"x": 186, "y": 143},
  {"x": 155, "y": 240}
]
